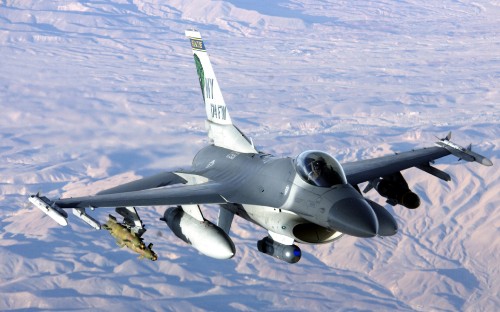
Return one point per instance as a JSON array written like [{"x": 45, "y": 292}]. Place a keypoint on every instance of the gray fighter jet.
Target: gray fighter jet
[{"x": 311, "y": 198}]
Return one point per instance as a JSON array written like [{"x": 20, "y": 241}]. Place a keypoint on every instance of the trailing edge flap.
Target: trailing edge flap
[
  {"x": 221, "y": 130},
  {"x": 178, "y": 195}
]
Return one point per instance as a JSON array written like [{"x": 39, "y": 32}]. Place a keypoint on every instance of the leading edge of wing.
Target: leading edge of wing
[
  {"x": 369, "y": 169},
  {"x": 206, "y": 193}
]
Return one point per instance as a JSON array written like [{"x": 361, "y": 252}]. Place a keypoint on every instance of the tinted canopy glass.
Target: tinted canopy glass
[{"x": 319, "y": 169}]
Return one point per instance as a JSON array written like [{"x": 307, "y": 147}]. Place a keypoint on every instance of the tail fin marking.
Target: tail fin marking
[{"x": 221, "y": 130}]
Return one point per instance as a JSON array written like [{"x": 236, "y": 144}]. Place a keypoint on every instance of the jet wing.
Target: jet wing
[
  {"x": 180, "y": 194},
  {"x": 369, "y": 169},
  {"x": 158, "y": 180}
]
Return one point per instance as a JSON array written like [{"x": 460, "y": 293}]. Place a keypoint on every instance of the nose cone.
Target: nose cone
[
  {"x": 353, "y": 216},
  {"x": 387, "y": 225}
]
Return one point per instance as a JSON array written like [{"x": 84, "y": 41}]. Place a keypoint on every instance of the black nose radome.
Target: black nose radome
[
  {"x": 353, "y": 216},
  {"x": 387, "y": 225}
]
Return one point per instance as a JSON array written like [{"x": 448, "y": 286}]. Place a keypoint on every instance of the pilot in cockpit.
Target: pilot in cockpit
[{"x": 318, "y": 168}]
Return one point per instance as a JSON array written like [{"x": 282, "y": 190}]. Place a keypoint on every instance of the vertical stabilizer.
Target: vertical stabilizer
[{"x": 221, "y": 130}]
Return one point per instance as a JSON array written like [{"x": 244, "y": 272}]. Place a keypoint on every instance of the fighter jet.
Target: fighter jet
[{"x": 308, "y": 199}]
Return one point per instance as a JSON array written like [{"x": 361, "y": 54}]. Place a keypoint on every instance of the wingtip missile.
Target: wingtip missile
[
  {"x": 463, "y": 153},
  {"x": 49, "y": 208},
  {"x": 481, "y": 159}
]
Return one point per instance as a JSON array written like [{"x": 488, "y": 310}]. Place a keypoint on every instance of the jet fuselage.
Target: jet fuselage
[{"x": 264, "y": 180}]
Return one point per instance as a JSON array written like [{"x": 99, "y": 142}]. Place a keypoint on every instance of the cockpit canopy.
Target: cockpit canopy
[{"x": 319, "y": 169}]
